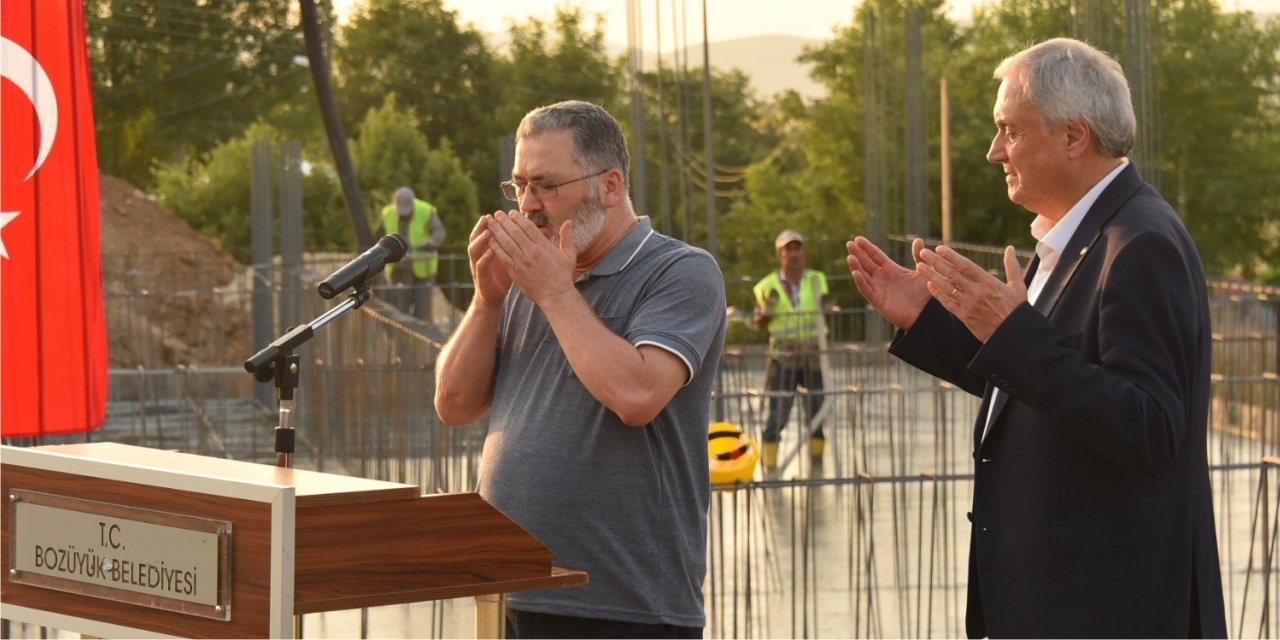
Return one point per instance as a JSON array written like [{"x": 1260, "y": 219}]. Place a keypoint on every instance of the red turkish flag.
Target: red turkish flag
[{"x": 53, "y": 338}]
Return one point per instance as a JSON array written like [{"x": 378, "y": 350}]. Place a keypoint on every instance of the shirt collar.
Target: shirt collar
[
  {"x": 625, "y": 250},
  {"x": 1055, "y": 236},
  {"x": 782, "y": 275}
]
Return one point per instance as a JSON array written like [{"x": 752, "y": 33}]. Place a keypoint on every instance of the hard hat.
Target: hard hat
[{"x": 731, "y": 454}]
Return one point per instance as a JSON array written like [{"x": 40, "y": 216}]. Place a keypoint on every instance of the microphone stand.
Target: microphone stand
[{"x": 278, "y": 362}]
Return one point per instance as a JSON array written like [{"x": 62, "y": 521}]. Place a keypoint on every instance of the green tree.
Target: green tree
[
  {"x": 173, "y": 78},
  {"x": 1219, "y": 84},
  {"x": 847, "y": 154},
  {"x": 740, "y": 137},
  {"x": 1206, "y": 126},
  {"x": 981, "y": 208},
  {"x": 440, "y": 71},
  {"x": 212, "y": 193},
  {"x": 776, "y": 199},
  {"x": 550, "y": 61},
  {"x": 391, "y": 152}
]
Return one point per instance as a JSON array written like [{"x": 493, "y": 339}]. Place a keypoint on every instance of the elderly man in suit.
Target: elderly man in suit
[{"x": 1092, "y": 512}]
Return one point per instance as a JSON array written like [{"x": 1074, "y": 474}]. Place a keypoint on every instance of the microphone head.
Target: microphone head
[
  {"x": 390, "y": 248},
  {"x": 396, "y": 247}
]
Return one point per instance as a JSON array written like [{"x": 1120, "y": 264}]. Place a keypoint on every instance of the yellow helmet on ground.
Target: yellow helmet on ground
[{"x": 731, "y": 454}]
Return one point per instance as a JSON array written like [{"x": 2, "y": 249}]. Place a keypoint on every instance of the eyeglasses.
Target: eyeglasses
[{"x": 513, "y": 190}]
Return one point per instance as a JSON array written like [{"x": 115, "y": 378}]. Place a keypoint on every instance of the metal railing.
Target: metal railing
[{"x": 871, "y": 543}]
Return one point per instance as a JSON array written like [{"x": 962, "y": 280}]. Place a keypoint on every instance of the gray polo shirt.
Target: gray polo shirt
[{"x": 628, "y": 505}]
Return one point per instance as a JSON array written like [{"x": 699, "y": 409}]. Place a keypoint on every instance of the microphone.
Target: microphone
[{"x": 390, "y": 249}]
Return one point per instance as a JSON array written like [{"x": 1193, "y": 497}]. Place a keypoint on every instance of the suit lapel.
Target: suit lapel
[{"x": 1125, "y": 185}]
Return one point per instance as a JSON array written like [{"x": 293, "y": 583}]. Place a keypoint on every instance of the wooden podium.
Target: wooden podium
[{"x": 114, "y": 540}]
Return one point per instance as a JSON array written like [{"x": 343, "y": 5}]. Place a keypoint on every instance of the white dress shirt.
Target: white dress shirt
[{"x": 1051, "y": 241}]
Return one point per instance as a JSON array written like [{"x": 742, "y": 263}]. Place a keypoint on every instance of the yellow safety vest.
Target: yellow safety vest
[
  {"x": 791, "y": 322},
  {"x": 425, "y": 263}
]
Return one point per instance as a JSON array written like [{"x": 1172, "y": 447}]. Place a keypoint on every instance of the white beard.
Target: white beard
[{"x": 588, "y": 222}]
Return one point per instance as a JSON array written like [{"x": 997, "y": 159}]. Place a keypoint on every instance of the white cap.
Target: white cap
[{"x": 787, "y": 237}]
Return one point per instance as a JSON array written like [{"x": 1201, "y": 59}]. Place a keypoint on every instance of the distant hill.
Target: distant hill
[{"x": 770, "y": 62}]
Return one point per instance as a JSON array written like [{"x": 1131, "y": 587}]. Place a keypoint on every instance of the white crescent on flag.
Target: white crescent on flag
[
  {"x": 20, "y": 68},
  {"x": 53, "y": 341},
  {"x": 17, "y": 65}
]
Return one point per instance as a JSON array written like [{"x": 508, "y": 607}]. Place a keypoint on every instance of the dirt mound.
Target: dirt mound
[{"x": 172, "y": 295}]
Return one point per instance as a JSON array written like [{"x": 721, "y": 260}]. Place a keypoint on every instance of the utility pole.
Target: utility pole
[
  {"x": 713, "y": 239},
  {"x": 945, "y": 115},
  {"x": 635, "y": 70}
]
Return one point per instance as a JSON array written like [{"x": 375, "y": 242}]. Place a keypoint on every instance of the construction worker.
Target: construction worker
[
  {"x": 788, "y": 304},
  {"x": 418, "y": 221}
]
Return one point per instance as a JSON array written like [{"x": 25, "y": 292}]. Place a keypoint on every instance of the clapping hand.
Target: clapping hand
[{"x": 980, "y": 300}]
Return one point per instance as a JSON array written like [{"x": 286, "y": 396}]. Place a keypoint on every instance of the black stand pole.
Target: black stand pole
[
  {"x": 278, "y": 362},
  {"x": 286, "y": 381}
]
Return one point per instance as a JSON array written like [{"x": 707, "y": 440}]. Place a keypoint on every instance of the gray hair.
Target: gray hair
[
  {"x": 598, "y": 143},
  {"x": 1066, "y": 80}
]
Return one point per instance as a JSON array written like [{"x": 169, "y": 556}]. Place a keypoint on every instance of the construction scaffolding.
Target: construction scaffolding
[{"x": 872, "y": 542}]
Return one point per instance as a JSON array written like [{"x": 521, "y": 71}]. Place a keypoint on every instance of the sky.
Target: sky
[{"x": 727, "y": 19}]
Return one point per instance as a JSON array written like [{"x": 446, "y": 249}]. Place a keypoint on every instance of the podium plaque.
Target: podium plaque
[{"x": 144, "y": 542}]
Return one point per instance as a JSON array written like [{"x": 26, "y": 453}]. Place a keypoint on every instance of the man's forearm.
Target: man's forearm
[{"x": 465, "y": 368}]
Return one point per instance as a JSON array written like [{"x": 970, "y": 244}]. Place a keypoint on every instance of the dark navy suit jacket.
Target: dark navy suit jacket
[{"x": 1092, "y": 513}]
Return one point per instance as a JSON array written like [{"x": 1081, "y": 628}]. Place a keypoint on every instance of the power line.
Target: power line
[
  {"x": 235, "y": 95},
  {"x": 267, "y": 46}
]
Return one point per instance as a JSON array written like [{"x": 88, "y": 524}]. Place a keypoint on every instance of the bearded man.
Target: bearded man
[{"x": 593, "y": 342}]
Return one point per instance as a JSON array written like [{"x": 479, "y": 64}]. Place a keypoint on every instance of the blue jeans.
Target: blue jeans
[
  {"x": 411, "y": 294},
  {"x": 796, "y": 371}
]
